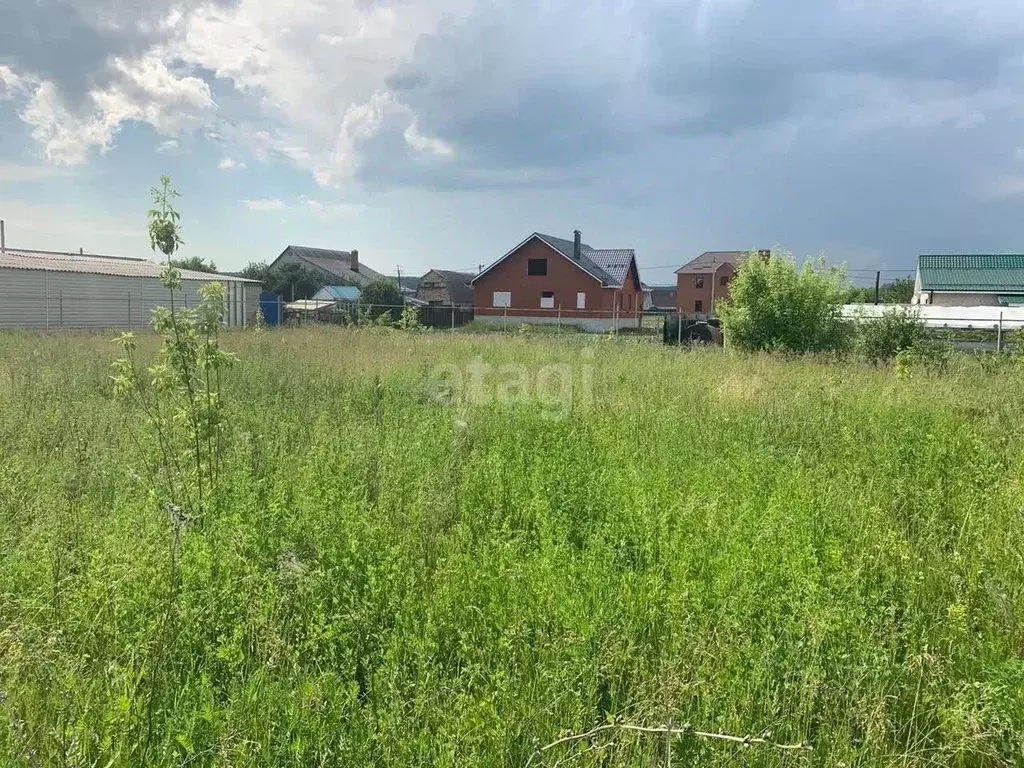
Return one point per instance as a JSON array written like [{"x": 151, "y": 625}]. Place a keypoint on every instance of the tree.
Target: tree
[
  {"x": 195, "y": 264},
  {"x": 384, "y": 294},
  {"x": 898, "y": 291},
  {"x": 775, "y": 305},
  {"x": 291, "y": 281}
]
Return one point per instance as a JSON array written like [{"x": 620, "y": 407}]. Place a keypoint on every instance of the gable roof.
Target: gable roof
[
  {"x": 457, "y": 284},
  {"x": 972, "y": 272},
  {"x": 95, "y": 264},
  {"x": 336, "y": 263},
  {"x": 609, "y": 267},
  {"x": 709, "y": 261}
]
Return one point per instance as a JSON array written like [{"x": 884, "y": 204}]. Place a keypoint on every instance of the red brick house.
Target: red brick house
[
  {"x": 547, "y": 279},
  {"x": 706, "y": 280}
]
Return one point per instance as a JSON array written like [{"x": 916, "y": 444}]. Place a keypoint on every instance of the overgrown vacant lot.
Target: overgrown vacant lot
[{"x": 391, "y": 575}]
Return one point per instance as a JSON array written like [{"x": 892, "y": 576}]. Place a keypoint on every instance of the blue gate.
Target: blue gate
[{"x": 270, "y": 306}]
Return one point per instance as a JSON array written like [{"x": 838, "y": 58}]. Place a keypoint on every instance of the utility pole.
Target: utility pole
[{"x": 878, "y": 284}]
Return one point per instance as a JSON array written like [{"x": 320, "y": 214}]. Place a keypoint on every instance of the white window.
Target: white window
[
  {"x": 502, "y": 299},
  {"x": 581, "y": 301},
  {"x": 547, "y": 300}
]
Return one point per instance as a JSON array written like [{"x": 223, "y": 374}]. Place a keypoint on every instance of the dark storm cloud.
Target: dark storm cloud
[
  {"x": 783, "y": 58},
  {"x": 515, "y": 84}
]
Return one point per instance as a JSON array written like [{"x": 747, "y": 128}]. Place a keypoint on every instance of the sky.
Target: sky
[{"x": 441, "y": 133}]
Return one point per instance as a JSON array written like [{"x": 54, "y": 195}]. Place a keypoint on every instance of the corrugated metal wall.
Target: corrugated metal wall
[{"x": 38, "y": 299}]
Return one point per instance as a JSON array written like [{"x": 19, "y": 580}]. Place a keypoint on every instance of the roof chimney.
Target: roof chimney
[
  {"x": 3, "y": 238},
  {"x": 577, "y": 248},
  {"x": 354, "y": 261}
]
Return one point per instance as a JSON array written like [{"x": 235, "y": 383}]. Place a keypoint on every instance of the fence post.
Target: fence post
[
  {"x": 504, "y": 321},
  {"x": 129, "y": 309},
  {"x": 999, "y": 335},
  {"x": 679, "y": 329},
  {"x": 280, "y": 311},
  {"x": 453, "y": 315},
  {"x": 559, "y": 318},
  {"x": 60, "y": 299}
]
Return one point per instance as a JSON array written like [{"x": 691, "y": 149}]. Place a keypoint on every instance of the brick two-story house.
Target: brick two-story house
[
  {"x": 706, "y": 279},
  {"x": 546, "y": 279}
]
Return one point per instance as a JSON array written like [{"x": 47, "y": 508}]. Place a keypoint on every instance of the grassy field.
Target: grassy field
[{"x": 400, "y": 571}]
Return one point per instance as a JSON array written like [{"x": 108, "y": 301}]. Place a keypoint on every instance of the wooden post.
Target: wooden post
[
  {"x": 129, "y": 309},
  {"x": 559, "y": 318},
  {"x": 504, "y": 321},
  {"x": 60, "y": 299},
  {"x": 878, "y": 284},
  {"x": 453, "y": 315},
  {"x": 999, "y": 334},
  {"x": 679, "y": 329}
]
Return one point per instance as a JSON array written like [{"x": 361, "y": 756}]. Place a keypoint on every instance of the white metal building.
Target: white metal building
[{"x": 45, "y": 289}]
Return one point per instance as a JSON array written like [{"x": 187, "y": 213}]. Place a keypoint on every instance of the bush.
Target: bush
[
  {"x": 774, "y": 305},
  {"x": 382, "y": 297},
  {"x": 882, "y": 338}
]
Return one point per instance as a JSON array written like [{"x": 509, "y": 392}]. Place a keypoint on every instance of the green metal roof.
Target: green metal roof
[
  {"x": 972, "y": 272},
  {"x": 1012, "y": 301}
]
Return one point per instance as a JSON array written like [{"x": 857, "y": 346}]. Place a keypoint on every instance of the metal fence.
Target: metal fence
[{"x": 110, "y": 308}]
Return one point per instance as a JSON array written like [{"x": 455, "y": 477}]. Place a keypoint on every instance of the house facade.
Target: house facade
[
  {"x": 445, "y": 287},
  {"x": 546, "y": 279},
  {"x": 970, "y": 280},
  {"x": 707, "y": 279}
]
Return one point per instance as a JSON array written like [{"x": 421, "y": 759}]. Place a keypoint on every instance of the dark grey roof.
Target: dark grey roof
[
  {"x": 459, "y": 289},
  {"x": 614, "y": 261},
  {"x": 610, "y": 267},
  {"x": 567, "y": 249},
  {"x": 336, "y": 263},
  {"x": 709, "y": 261},
  {"x": 663, "y": 296}
]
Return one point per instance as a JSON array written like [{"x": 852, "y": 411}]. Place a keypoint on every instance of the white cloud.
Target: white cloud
[
  {"x": 265, "y": 204},
  {"x": 230, "y": 164},
  {"x": 418, "y": 141},
  {"x": 10, "y": 83},
  {"x": 168, "y": 146},
  {"x": 316, "y": 72},
  {"x": 146, "y": 91}
]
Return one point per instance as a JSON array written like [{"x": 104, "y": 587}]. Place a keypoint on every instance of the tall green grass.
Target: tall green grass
[{"x": 389, "y": 577}]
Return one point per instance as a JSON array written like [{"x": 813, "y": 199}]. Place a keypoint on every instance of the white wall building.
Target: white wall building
[{"x": 43, "y": 289}]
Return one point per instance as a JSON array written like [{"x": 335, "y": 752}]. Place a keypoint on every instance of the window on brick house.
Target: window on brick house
[
  {"x": 698, "y": 306},
  {"x": 547, "y": 300},
  {"x": 723, "y": 280},
  {"x": 537, "y": 267},
  {"x": 698, "y": 281}
]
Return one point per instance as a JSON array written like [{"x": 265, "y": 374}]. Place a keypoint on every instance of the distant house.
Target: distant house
[
  {"x": 338, "y": 267},
  {"x": 442, "y": 286},
  {"x": 337, "y": 293},
  {"x": 546, "y": 279},
  {"x": 970, "y": 280},
  {"x": 706, "y": 279}
]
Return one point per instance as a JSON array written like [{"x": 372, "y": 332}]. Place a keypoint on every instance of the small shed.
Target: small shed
[{"x": 970, "y": 280}]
